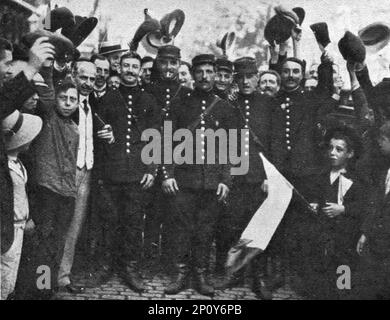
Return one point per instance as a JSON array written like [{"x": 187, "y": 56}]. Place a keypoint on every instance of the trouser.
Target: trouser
[
  {"x": 123, "y": 227},
  {"x": 10, "y": 262},
  {"x": 45, "y": 247},
  {"x": 192, "y": 224},
  {"x": 83, "y": 177}
]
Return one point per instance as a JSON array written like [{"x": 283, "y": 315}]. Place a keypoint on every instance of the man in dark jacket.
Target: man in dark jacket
[
  {"x": 197, "y": 186},
  {"x": 129, "y": 110}
]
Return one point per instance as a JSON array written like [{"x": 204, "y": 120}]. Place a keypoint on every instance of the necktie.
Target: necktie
[{"x": 86, "y": 109}]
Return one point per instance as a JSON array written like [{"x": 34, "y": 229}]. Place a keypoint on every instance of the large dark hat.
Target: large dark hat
[
  {"x": 203, "y": 59},
  {"x": 170, "y": 26},
  {"x": 375, "y": 36},
  {"x": 224, "y": 64},
  {"x": 61, "y": 18},
  {"x": 300, "y": 12},
  {"x": 245, "y": 65},
  {"x": 168, "y": 51},
  {"x": 321, "y": 33},
  {"x": 81, "y": 30},
  {"x": 149, "y": 25},
  {"x": 352, "y": 48},
  {"x": 279, "y": 27},
  {"x": 64, "y": 48}
]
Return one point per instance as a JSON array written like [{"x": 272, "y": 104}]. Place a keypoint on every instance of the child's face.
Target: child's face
[
  {"x": 338, "y": 153},
  {"x": 384, "y": 145},
  {"x": 67, "y": 102}
]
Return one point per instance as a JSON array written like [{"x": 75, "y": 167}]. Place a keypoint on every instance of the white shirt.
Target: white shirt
[
  {"x": 85, "y": 151},
  {"x": 344, "y": 184}
]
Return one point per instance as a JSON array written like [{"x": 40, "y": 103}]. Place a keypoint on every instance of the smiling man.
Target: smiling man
[
  {"x": 224, "y": 78},
  {"x": 130, "y": 110}
]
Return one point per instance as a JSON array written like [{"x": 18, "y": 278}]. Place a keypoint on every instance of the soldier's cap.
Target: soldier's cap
[
  {"x": 224, "y": 64},
  {"x": 146, "y": 59},
  {"x": 375, "y": 36},
  {"x": 168, "y": 51},
  {"x": 80, "y": 30},
  {"x": 61, "y": 17},
  {"x": 352, "y": 48},
  {"x": 203, "y": 59},
  {"x": 341, "y": 131},
  {"x": 321, "y": 33},
  {"x": 245, "y": 65}
]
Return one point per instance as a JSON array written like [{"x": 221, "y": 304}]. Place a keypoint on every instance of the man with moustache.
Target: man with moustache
[
  {"x": 84, "y": 75},
  {"x": 249, "y": 190},
  {"x": 165, "y": 87},
  {"x": 269, "y": 82},
  {"x": 199, "y": 188},
  {"x": 113, "y": 52},
  {"x": 130, "y": 110},
  {"x": 224, "y": 78},
  {"x": 294, "y": 147},
  {"x": 102, "y": 74}
]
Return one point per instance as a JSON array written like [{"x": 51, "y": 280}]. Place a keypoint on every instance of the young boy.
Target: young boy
[
  {"x": 55, "y": 158},
  {"x": 374, "y": 243},
  {"x": 338, "y": 197},
  {"x": 19, "y": 130}
]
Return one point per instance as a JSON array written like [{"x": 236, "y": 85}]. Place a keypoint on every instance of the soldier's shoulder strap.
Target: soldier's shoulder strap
[{"x": 204, "y": 114}]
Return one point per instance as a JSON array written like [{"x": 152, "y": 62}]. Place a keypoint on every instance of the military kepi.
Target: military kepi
[
  {"x": 245, "y": 65},
  {"x": 169, "y": 51},
  {"x": 224, "y": 64},
  {"x": 203, "y": 59}
]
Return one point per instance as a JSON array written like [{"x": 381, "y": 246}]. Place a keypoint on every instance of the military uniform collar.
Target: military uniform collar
[
  {"x": 203, "y": 94},
  {"x": 283, "y": 94}
]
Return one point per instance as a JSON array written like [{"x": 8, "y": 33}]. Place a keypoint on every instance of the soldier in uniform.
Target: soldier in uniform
[
  {"x": 224, "y": 78},
  {"x": 164, "y": 87},
  {"x": 129, "y": 110},
  {"x": 198, "y": 187},
  {"x": 248, "y": 192},
  {"x": 295, "y": 137}
]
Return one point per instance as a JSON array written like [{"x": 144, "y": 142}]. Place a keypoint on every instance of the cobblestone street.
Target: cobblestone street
[{"x": 115, "y": 289}]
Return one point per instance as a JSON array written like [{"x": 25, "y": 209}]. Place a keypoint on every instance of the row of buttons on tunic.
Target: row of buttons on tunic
[
  {"x": 246, "y": 126},
  {"x": 288, "y": 129},
  {"x": 129, "y": 118}
]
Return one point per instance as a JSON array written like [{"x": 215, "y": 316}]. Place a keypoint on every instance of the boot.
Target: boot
[
  {"x": 259, "y": 285},
  {"x": 203, "y": 287},
  {"x": 277, "y": 274},
  {"x": 133, "y": 279},
  {"x": 180, "y": 283},
  {"x": 231, "y": 280}
]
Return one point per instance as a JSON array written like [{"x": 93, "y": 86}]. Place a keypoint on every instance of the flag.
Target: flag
[{"x": 265, "y": 220}]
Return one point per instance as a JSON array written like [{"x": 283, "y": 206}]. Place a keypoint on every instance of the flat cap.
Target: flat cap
[
  {"x": 203, "y": 59},
  {"x": 224, "y": 64},
  {"x": 168, "y": 51},
  {"x": 245, "y": 65},
  {"x": 321, "y": 33}
]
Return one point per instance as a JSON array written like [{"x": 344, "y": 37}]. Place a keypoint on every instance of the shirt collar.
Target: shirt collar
[{"x": 334, "y": 174}]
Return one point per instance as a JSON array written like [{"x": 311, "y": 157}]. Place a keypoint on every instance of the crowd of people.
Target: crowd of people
[{"x": 71, "y": 160}]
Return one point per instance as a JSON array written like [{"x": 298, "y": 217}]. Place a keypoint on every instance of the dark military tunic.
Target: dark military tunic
[
  {"x": 129, "y": 110},
  {"x": 196, "y": 203}
]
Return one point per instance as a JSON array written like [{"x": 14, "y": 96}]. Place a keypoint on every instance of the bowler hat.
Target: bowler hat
[
  {"x": 245, "y": 65},
  {"x": 224, "y": 64},
  {"x": 64, "y": 49},
  {"x": 19, "y": 129},
  {"x": 352, "y": 48},
  {"x": 80, "y": 30},
  {"x": 321, "y": 33},
  {"x": 168, "y": 51},
  {"x": 148, "y": 26},
  {"x": 279, "y": 27},
  {"x": 203, "y": 59}
]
